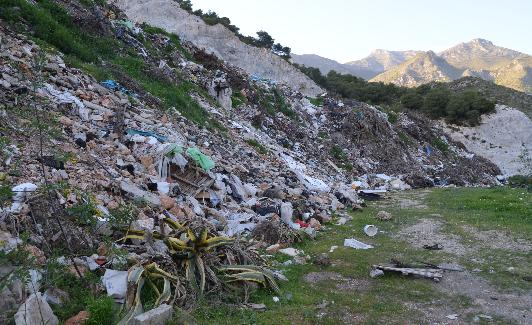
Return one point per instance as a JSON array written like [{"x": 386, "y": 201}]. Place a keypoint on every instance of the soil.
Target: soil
[{"x": 486, "y": 299}]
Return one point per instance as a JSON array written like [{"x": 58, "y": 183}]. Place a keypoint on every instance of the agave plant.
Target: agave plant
[
  {"x": 194, "y": 247},
  {"x": 152, "y": 275},
  {"x": 250, "y": 273}
]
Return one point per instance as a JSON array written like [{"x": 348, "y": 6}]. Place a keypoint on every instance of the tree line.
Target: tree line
[
  {"x": 263, "y": 39},
  {"x": 435, "y": 100}
]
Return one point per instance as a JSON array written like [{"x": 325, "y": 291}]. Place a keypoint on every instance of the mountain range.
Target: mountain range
[{"x": 477, "y": 58}]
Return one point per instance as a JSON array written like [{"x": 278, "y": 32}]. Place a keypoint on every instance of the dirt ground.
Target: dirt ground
[{"x": 486, "y": 298}]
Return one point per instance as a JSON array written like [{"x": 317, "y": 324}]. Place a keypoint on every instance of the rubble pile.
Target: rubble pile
[{"x": 92, "y": 167}]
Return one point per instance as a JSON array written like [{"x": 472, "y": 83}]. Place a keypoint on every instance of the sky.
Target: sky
[{"x": 346, "y": 30}]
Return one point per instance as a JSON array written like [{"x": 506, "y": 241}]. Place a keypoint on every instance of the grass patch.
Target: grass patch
[
  {"x": 318, "y": 101},
  {"x": 171, "y": 94},
  {"x": 440, "y": 144},
  {"x": 390, "y": 299},
  {"x": 487, "y": 208},
  {"x": 258, "y": 146},
  {"x": 238, "y": 99}
]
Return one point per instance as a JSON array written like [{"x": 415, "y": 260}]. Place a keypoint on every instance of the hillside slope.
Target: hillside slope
[
  {"x": 218, "y": 40},
  {"x": 325, "y": 65},
  {"x": 479, "y": 54},
  {"x": 381, "y": 60},
  {"x": 423, "y": 68}
]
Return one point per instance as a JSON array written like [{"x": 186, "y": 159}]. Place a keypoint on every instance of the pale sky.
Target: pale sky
[{"x": 346, "y": 30}]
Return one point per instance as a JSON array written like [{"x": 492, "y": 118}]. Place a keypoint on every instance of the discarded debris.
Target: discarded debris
[
  {"x": 356, "y": 244},
  {"x": 371, "y": 230},
  {"x": 434, "y": 274},
  {"x": 434, "y": 247}
]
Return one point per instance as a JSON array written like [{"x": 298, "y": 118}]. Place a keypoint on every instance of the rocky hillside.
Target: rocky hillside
[
  {"x": 382, "y": 60},
  {"x": 479, "y": 54},
  {"x": 422, "y": 68},
  {"x": 478, "y": 58},
  {"x": 377, "y": 62},
  {"x": 217, "y": 40},
  {"x": 325, "y": 65}
]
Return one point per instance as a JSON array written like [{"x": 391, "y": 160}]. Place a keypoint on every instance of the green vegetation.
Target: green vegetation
[
  {"x": 238, "y": 99},
  {"x": 318, "y": 101},
  {"x": 392, "y": 298},
  {"x": 259, "y": 147},
  {"x": 273, "y": 102},
  {"x": 263, "y": 39},
  {"x": 440, "y": 144},
  {"x": 50, "y": 23},
  {"x": 341, "y": 157},
  {"x": 436, "y": 101},
  {"x": 521, "y": 181}
]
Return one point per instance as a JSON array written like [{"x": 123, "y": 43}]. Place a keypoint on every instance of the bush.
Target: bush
[
  {"x": 468, "y": 106},
  {"x": 440, "y": 144},
  {"x": 412, "y": 100},
  {"x": 521, "y": 181},
  {"x": 102, "y": 311},
  {"x": 436, "y": 101}
]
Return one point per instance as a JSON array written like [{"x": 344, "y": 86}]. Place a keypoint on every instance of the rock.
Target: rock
[
  {"x": 146, "y": 161},
  {"x": 35, "y": 311},
  {"x": 273, "y": 249},
  {"x": 383, "y": 215},
  {"x": 56, "y": 296},
  {"x": 137, "y": 193},
  {"x": 115, "y": 283},
  {"x": 290, "y": 251},
  {"x": 40, "y": 258},
  {"x": 375, "y": 273},
  {"x": 323, "y": 260},
  {"x": 313, "y": 223},
  {"x": 78, "y": 319},
  {"x": 156, "y": 316}
]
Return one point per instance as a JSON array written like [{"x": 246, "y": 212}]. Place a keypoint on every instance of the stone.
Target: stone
[
  {"x": 375, "y": 273},
  {"x": 313, "y": 223},
  {"x": 290, "y": 251},
  {"x": 40, "y": 258},
  {"x": 78, "y": 319},
  {"x": 383, "y": 215},
  {"x": 323, "y": 260},
  {"x": 273, "y": 249},
  {"x": 146, "y": 161},
  {"x": 167, "y": 202},
  {"x": 56, "y": 296},
  {"x": 35, "y": 311},
  {"x": 137, "y": 193},
  {"x": 156, "y": 316}
]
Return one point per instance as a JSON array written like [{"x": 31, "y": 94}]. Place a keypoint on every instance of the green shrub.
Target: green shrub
[
  {"x": 392, "y": 117},
  {"x": 435, "y": 102},
  {"x": 440, "y": 144},
  {"x": 521, "y": 181},
  {"x": 318, "y": 101},
  {"x": 412, "y": 100},
  {"x": 102, "y": 310},
  {"x": 259, "y": 147},
  {"x": 237, "y": 99}
]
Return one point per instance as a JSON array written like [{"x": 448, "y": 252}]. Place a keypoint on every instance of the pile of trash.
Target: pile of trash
[
  {"x": 183, "y": 205},
  {"x": 136, "y": 194}
]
